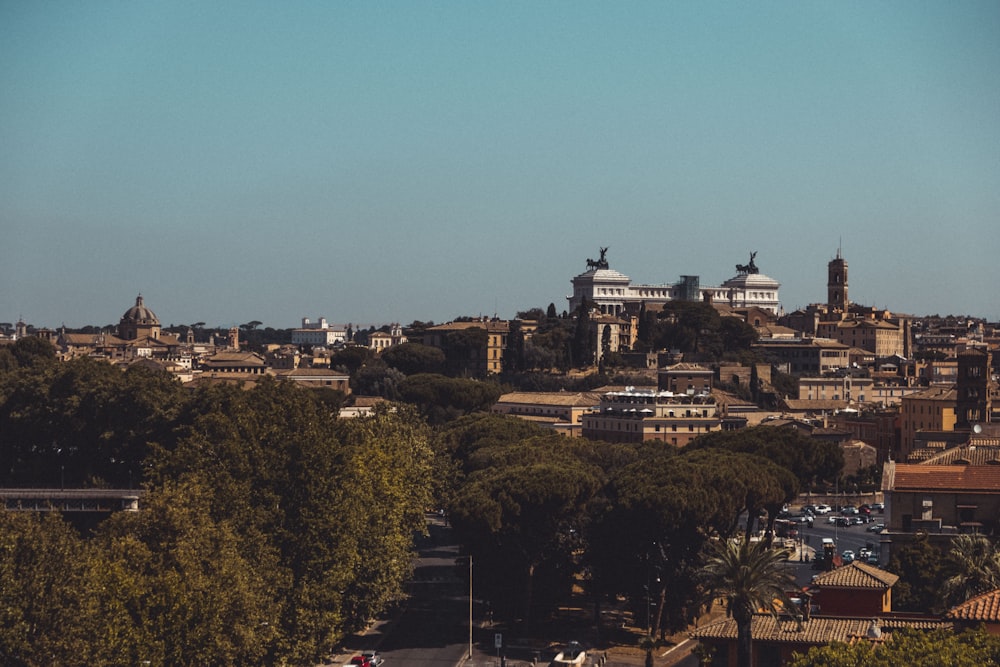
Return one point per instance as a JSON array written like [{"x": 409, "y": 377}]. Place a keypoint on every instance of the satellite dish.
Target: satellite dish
[{"x": 977, "y": 428}]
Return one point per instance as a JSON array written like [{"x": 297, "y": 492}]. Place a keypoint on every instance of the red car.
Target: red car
[{"x": 361, "y": 661}]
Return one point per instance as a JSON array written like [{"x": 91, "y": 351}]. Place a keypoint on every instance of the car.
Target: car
[
  {"x": 848, "y": 556},
  {"x": 872, "y": 559},
  {"x": 864, "y": 552},
  {"x": 809, "y": 508},
  {"x": 848, "y": 511},
  {"x": 573, "y": 654},
  {"x": 878, "y": 507},
  {"x": 359, "y": 661},
  {"x": 857, "y": 520},
  {"x": 373, "y": 657},
  {"x": 876, "y": 528},
  {"x": 823, "y": 509}
]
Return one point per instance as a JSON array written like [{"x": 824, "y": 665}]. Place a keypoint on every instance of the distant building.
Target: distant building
[
  {"x": 138, "y": 322},
  {"x": 612, "y": 292},
  {"x": 484, "y": 359},
  {"x": 318, "y": 334},
  {"x": 685, "y": 378},
  {"x": 562, "y": 411},
  {"x": 379, "y": 341},
  {"x": 805, "y": 356},
  {"x": 933, "y": 409},
  {"x": 642, "y": 415}
]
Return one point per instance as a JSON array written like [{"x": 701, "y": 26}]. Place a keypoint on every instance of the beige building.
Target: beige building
[
  {"x": 852, "y": 390},
  {"x": 806, "y": 356},
  {"x": 561, "y": 411},
  {"x": 484, "y": 360},
  {"x": 641, "y": 415},
  {"x": 685, "y": 378},
  {"x": 883, "y": 338},
  {"x": 933, "y": 409}
]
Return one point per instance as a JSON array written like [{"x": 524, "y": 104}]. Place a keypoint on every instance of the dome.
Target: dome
[
  {"x": 139, "y": 314},
  {"x": 752, "y": 281}
]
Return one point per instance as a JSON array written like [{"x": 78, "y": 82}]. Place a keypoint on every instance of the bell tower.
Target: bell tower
[{"x": 836, "y": 285}]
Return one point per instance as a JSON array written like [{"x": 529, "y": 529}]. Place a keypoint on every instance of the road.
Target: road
[{"x": 431, "y": 629}]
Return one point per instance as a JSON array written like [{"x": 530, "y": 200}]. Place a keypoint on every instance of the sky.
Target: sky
[{"x": 373, "y": 162}]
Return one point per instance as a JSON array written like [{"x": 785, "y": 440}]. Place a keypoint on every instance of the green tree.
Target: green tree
[
  {"x": 45, "y": 602},
  {"x": 809, "y": 459},
  {"x": 974, "y": 564},
  {"x": 919, "y": 566},
  {"x": 751, "y": 576},
  {"x": 521, "y": 516},
  {"x": 440, "y": 399},
  {"x": 351, "y": 358},
  {"x": 414, "y": 358},
  {"x": 583, "y": 345},
  {"x": 175, "y": 586},
  {"x": 914, "y": 648}
]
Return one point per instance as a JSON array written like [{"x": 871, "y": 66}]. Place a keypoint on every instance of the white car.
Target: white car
[{"x": 823, "y": 509}]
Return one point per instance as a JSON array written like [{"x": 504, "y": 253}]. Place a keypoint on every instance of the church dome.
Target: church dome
[{"x": 140, "y": 314}]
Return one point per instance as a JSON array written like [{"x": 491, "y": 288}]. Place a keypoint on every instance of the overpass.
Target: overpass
[{"x": 71, "y": 500}]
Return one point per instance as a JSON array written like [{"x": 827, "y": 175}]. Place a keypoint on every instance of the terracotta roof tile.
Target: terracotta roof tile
[
  {"x": 560, "y": 398},
  {"x": 914, "y": 476},
  {"x": 817, "y": 630},
  {"x": 984, "y": 608},
  {"x": 856, "y": 575}
]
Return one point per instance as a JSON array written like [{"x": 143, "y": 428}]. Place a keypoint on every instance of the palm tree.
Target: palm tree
[
  {"x": 751, "y": 576},
  {"x": 975, "y": 562}
]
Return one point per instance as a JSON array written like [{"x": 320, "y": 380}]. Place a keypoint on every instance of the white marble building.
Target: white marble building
[{"x": 610, "y": 290}]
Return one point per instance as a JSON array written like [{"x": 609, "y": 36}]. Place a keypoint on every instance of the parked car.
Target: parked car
[
  {"x": 373, "y": 657},
  {"x": 848, "y": 556},
  {"x": 823, "y": 509},
  {"x": 878, "y": 507},
  {"x": 857, "y": 520},
  {"x": 876, "y": 528},
  {"x": 848, "y": 511},
  {"x": 872, "y": 559},
  {"x": 359, "y": 661}
]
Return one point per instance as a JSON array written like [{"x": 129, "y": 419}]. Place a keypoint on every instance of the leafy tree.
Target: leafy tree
[
  {"x": 439, "y": 398},
  {"x": 550, "y": 312},
  {"x": 534, "y": 313},
  {"x": 520, "y": 516},
  {"x": 177, "y": 587},
  {"x": 293, "y": 480},
  {"x": 83, "y": 422},
  {"x": 751, "y": 576},
  {"x": 583, "y": 345},
  {"x": 975, "y": 563},
  {"x": 45, "y": 606},
  {"x": 919, "y": 566},
  {"x": 414, "y": 358},
  {"x": 465, "y": 351},
  {"x": 809, "y": 459},
  {"x": 351, "y": 358},
  {"x": 378, "y": 379},
  {"x": 916, "y": 648}
]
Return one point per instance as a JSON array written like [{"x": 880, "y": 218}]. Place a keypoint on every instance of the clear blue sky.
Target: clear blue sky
[{"x": 371, "y": 162}]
